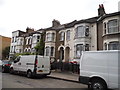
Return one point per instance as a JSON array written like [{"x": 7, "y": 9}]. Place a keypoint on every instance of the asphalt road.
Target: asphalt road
[{"x": 20, "y": 81}]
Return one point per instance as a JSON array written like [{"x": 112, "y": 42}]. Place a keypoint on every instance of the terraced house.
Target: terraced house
[
  {"x": 65, "y": 42},
  {"x": 24, "y": 41}
]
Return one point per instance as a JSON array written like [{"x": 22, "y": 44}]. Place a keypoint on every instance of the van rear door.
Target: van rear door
[{"x": 43, "y": 66}]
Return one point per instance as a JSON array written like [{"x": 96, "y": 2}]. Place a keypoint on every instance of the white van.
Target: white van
[
  {"x": 31, "y": 65},
  {"x": 100, "y": 69}
]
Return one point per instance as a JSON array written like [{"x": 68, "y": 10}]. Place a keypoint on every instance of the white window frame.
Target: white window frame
[
  {"x": 80, "y": 32},
  {"x": 112, "y": 27},
  {"x": 68, "y": 35}
]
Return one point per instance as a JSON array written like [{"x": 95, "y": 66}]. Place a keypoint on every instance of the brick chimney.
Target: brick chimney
[
  {"x": 101, "y": 10},
  {"x": 55, "y": 23},
  {"x": 28, "y": 30}
]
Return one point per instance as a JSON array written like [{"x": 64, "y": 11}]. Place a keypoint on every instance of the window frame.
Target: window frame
[
  {"x": 68, "y": 35},
  {"x": 112, "y": 26}
]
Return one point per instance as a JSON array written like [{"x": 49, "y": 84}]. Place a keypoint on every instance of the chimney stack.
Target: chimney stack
[
  {"x": 55, "y": 23},
  {"x": 101, "y": 10},
  {"x": 28, "y": 30}
]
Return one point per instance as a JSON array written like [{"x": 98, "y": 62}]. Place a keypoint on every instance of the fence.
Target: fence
[{"x": 65, "y": 66}]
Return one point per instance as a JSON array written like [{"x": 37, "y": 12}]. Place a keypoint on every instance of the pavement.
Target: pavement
[{"x": 64, "y": 75}]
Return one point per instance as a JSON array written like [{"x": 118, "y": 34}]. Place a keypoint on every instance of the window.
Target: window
[
  {"x": 15, "y": 39},
  {"x": 68, "y": 35},
  {"x": 50, "y": 37},
  {"x": 80, "y": 32},
  {"x": 87, "y": 31},
  {"x": 61, "y": 36},
  {"x": 104, "y": 28},
  {"x": 79, "y": 48},
  {"x": 114, "y": 45},
  {"x": 53, "y": 35},
  {"x": 113, "y": 26},
  {"x": 47, "y": 51},
  {"x": 87, "y": 47},
  {"x": 38, "y": 38},
  {"x": 26, "y": 41},
  {"x": 105, "y": 46},
  {"x": 52, "y": 51}
]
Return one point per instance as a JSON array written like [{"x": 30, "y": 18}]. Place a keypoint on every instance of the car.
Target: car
[{"x": 6, "y": 65}]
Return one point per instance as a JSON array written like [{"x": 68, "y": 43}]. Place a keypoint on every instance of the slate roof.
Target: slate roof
[{"x": 110, "y": 15}]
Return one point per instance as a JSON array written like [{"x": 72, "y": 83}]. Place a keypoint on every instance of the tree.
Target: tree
[
  {"x": 5, "y": 52},
  {"x": 40, "y": 46}
]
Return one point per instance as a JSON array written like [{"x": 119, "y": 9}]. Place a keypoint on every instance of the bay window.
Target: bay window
[
  {"x": 114, "y": 45},
  {"x": 79, "y": 48},
  {"x": 113, "y": 26},
  {"x": 82, "y": 31}
]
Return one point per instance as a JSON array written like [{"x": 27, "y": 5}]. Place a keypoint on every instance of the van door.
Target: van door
[
  {"x": 16, "y": 64},
  {"x": 43, "y": 66}
]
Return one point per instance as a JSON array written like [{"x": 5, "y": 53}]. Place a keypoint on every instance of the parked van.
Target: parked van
[
  {"x": 100, "y": 69},
  {"x": 31, "y": 65}
]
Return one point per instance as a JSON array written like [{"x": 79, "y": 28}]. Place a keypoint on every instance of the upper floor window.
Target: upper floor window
[
  {"x": 113, "y": 26},
  {"x": 26, "y": 41},
  {"x": 105, "y": 28},
  {"x": 114, "y": 45},
  {"x": 82, "y": 31},
  {"x": 79, "y": 32},
  {"x": 61, "y": 36},
  {"x": 50, "y": 37},
  {"x": 68, "y": 35},
  {"x": 87, "y": 31},
  {"x": 38, "y": 38}
]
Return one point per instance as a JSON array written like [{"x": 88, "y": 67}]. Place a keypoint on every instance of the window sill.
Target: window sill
[
  {"x": 49, "y": 41},
  {"x": 82, "y": 37}
]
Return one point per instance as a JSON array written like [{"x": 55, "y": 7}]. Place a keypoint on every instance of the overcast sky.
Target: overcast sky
[{"x": 18, "y": 14}]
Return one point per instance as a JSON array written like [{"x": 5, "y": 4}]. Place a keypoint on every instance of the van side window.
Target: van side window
[{"x": 17, "y": 60}]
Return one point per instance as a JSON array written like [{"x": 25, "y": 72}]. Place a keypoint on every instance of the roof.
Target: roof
[
  {"x": 71, "y": 24},
  {"x": 110, "y": 15},
  {"x": 89, "y": 20},
  {"x": 31, "y": 33}
]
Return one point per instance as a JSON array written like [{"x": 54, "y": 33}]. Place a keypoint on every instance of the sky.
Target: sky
[{"x": 20, "y": 14}]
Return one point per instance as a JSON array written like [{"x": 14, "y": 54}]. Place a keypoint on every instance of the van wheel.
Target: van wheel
[
  {"x": 98, "y": 84},
  {"x": 29, "y": 74}
]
